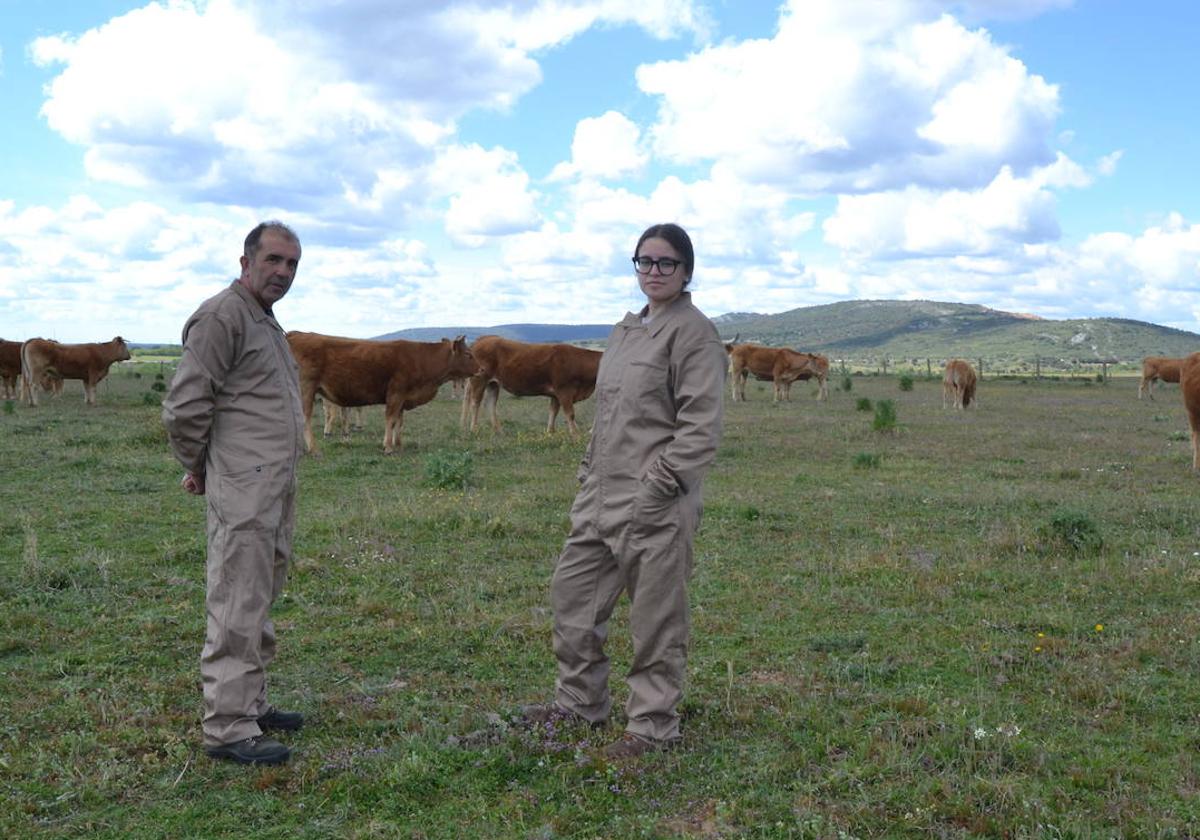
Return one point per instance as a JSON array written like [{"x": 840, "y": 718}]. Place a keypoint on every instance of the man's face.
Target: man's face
[{"x": 269, "y": 276}]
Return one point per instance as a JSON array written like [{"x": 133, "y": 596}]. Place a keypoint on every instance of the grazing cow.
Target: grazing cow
[
  {"x": 1157, "y": 367},
  {"x": 352, "y": 372},
  {"x": 564, "y": 373},
  {"x": 87, "y": 362},
  {"x": 1189, "y": 384},
  {"x": 778, "y": 365},
  {"x": 958, "y": 382}
]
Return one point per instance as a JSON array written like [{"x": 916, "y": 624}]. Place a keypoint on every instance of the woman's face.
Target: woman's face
[{"x": 658, "y": 288}]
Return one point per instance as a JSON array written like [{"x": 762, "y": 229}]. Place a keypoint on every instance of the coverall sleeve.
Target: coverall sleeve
[
  {"x": 698, "y": 375},
  {"x": 208, "y": 352}
]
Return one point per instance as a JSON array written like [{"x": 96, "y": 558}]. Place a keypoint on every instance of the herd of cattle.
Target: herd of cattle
[{"x": 401, "y": 375}]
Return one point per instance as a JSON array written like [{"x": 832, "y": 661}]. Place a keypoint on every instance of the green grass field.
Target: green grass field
[{"x": 975, "y": 625}]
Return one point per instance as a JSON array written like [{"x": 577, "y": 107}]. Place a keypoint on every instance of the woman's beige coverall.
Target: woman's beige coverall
[
  {"x": 233, "y": 415},
  {"x": 658, "y": 419}
]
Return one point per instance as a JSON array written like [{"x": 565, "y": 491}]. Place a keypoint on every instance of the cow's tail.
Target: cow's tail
[{"x": 968, "y": 393}]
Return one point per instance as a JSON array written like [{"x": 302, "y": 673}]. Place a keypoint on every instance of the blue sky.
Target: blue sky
[{"x": 451, "y": 163}]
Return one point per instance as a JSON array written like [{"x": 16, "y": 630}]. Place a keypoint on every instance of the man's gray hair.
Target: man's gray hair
[{"x": 254, "y": 238}]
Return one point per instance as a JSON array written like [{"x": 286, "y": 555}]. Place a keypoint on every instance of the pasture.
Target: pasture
[{"x": 980, "y": 624}]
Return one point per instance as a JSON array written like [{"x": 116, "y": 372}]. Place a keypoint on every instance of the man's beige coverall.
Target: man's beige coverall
[
  {"x": 233, "y": 415},
  {"x": 659, "y": 407}
]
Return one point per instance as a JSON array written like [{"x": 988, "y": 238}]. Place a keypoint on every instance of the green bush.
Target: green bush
[
  {"x": 847, "y": 383},
  {"x": 449, "y": 470},
  {"x": 885, "y": 416},
  {"x": 866, "y": 461},
  {"x": 158, "y": 386},
  {"x": 151, "y": 398},
  {"x": 906, "y": 383},
  {"x": 1073, "y": 530},
  {"x": 9, "y": 406},
  {"x": 863, "y": 404}
]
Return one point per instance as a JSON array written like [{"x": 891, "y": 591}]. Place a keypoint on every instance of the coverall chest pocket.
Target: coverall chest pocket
[{"x": 645, "y": 381}]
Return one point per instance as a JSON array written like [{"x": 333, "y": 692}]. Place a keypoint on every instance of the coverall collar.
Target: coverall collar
[
  {"x": 660, "y": 320},
  {"x": 256, "y": 309}
]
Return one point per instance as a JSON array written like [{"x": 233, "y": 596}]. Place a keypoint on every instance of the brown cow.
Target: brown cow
[
  {"x": 10, "y": 367},
  {"x": 10, "y": 373},
  {"x": 1189, "y": 384},
  {"x": 87, "y": 362},
  {"x": 351, "y": 372},
  {"x": 779, "y": 365},
  {"x": 959, "y": 382},
  {"x": 1158, "y": 367},
  {"x": 564, "y": 373}
]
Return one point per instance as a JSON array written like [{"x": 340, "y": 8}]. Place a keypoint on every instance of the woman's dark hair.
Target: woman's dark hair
[{"x": 678, "y": 239}]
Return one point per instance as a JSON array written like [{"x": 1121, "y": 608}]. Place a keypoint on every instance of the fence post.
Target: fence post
[
  {"x": 981, "y": 368},
  {"x": 928, "y": 368},
  {"x": 1037, "y": 364}
]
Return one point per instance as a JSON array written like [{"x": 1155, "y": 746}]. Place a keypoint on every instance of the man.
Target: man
[{"x": 234, "y": 421}]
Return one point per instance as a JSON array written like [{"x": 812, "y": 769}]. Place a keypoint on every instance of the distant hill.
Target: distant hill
[
  {"x": 517, "y": 332},
  {"x": 918, "y": 329}
]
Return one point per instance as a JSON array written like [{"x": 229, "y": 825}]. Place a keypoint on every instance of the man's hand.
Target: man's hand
[{"x": 193, "y": 483}]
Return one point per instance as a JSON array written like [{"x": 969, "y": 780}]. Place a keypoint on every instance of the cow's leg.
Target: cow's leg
[
  {"x": 392, "y": 423},
  {"x": 492, "y": 393},
  {"x": 89, "y": 391},
  {"x": 468, "y": 415},
  {"x": 1195, "y": 448},
  {"x": 330, "y": 414},
  {"x": 568, "y": 407},
  {"x": 308, "y": 394},
  {"x": 823, "y": 388},
  {"x": 554, "y": 404}
]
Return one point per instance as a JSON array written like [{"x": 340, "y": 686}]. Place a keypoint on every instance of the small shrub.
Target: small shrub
[
  {"x": 1161, "y": 418},
  {"x": 1178, "y": 435},
  {"x": 9, "y": 406},
  {"x": 1073, "y": 530},
  {"x": 158, "y": 376},
  {"x": 906, "y": 383},
  {"x": 885, "y": 416},
  {"x": 750, "y": 513},
  {"x": 449, "y": 470},
  {"x": 151, "y": 398},
  {"x": 866, "y": 461},
  {"x": 863, "y": 404},
  {"x": 158, "y": 386},
  {"x": 847, "y": 384}
]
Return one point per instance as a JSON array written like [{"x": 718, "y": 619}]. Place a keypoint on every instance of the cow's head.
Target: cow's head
[
  {"x": 462, "y": 361},
  {"x": 121, "y": 347}
]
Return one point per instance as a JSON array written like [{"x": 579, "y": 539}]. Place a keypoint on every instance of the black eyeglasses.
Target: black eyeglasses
[{"x": 666, "y": 265}]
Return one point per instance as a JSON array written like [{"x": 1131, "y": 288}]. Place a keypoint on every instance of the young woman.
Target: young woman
[{"x": 657, "y": 425}]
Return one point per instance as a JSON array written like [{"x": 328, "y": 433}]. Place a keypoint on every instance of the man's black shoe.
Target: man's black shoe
[
  {"x": 279, "y": 719},
  {"x": 258, "y": 750}
]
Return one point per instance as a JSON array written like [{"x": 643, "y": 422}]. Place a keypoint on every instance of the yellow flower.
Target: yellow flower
[
  {"x": 1037, "y": 649},
  {"x": 1041, "y": 635},
  {"x": 1099, "y": 628}
]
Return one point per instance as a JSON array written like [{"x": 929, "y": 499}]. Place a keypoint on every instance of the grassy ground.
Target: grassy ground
[{"x": 974, "y": 625}]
